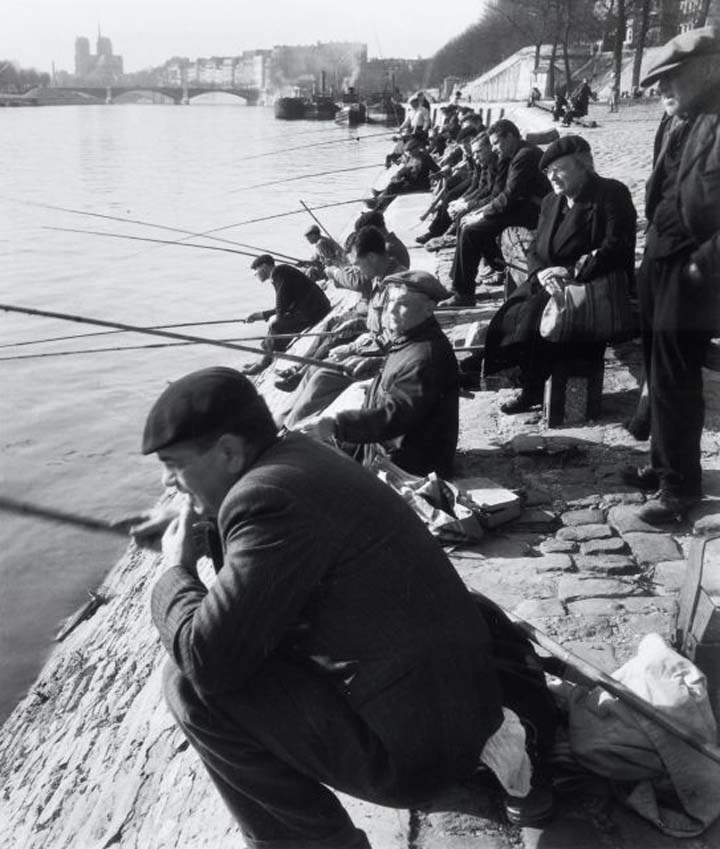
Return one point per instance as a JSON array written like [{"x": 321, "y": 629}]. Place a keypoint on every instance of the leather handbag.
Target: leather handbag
[{"x": 596, "y": 311}]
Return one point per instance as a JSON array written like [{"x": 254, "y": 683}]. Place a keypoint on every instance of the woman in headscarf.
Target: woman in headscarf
[{"x": 585, "y": 217}]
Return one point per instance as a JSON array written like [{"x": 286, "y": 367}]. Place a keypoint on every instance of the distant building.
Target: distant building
[
  {"x": 303, "y": 64},
  {"x": 100, "y": 68},
  {"x": 666, "y": 19}
]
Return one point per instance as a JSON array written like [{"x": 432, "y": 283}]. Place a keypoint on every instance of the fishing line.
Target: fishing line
[
  {"x": 307, "y": 177},
  {"x": 168, "y": 227},
  {"x": 182, "y": 244},
  {"x": 316, "y": 144},
  {"x": 167, "y": 334}
]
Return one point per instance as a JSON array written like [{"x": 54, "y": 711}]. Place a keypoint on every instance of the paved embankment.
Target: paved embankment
[{"x": 92, "y": 759}]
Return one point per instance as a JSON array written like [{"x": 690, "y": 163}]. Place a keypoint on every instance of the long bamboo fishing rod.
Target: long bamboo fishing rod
[
  {"x": 25, "y": 508},
  {"x": 316, "y": 219},
  {"x": 617, "y": 689},
  {"x": 154, "y": 226},
  {"x": 317, "y": 144},
  {"x": 205, "y": 233},
  {"x": 155, "y": 345},
  {"x": 307, "y": 177},
  {"x": 169, "y": 334},
  {"x": 181, "y": 243},
  {"x": 165, "y": 327}
]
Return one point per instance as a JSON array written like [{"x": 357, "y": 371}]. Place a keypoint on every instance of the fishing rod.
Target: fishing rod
[
  {"x": 317, "y": 144},
  {"x": 169, "y": 334},
  {"x": 167, "y": 227},
  {"x": 307, "y": 177},
  {"x": 206, "y": 233},
  {"x": 617, "y": 689},
  {"x": 316, "y": 219},
  {"x": 25, "y": 508},
  {"x": 181, "y": 243},
  {"x": 162, "y": 327},
  {"x": 156, "y": 345}
]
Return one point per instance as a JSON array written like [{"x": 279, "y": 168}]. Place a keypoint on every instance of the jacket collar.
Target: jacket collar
[{"x": 423, "y": 330}]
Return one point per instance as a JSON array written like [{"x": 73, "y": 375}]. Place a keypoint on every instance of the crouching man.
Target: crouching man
[{"x": 337, "y": 647}]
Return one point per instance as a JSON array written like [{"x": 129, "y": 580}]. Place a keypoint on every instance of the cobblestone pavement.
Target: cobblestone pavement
[{"x": 577, "y": 563}]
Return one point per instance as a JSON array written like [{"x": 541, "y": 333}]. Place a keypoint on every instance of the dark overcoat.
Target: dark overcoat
[
  {"x": 412, "y": 405},
  {"x": 603, "y": 219},
  {"x": 328, "y": 567}
]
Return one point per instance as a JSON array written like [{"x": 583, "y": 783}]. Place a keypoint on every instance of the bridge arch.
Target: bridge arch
[{"x": 215, "y": 95}]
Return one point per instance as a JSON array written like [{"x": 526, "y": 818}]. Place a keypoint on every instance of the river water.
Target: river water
[{"x": 70, "y": 425}]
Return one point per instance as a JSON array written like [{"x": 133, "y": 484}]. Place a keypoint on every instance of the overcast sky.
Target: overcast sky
[{"x": 146, "y": 32}]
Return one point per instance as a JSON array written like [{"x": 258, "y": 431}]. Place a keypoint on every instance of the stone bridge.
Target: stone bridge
[{"x": 109, "y": 94}]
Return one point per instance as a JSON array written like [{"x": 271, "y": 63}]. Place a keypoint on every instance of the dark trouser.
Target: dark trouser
[
  {"x": 271, "y": 747},
  {"x": 440, "y": 222},
  {"x": 319, "y": 388},
  {"x": 475, "y": 242},
  {"x": 673, "y": 315}
]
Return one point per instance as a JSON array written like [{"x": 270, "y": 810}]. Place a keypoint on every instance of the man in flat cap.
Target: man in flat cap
[
  {"x": 515, "y": 199},
  {"x": 299, "y": 303},
  {"x": 326, "y": 253},
  {"x": 411, "y": 409},
  {"x": 336, "y": 646},
  {"x": 679, "y": 281}
]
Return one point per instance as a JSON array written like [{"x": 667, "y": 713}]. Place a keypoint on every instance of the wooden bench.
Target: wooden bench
[{"x": 580, "y": 376}]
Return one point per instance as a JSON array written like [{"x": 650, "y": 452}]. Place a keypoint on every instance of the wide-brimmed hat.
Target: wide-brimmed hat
[{"x": 688, "y": 45}]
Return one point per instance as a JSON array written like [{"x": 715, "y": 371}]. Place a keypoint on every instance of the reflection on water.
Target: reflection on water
[{"x": 71, "y": 425}]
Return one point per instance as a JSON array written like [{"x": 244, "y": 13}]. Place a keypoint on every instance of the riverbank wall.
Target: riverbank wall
[{"x": 91, "y": 757}]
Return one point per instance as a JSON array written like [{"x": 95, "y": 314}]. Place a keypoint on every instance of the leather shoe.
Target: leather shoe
[
  {"x": 292, "y": 381},
  {"x": 524, "y": 402},
  {"x": 643, "y": 477},
  {"x": 457, "y": 300},
  {"x": 665, "y": 506},
  {"x": 535, "y": 809}
]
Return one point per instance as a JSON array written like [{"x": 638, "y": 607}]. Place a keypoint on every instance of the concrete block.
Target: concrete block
[
  {"x": 669, "y": 575},
  {"x": 652, "y": 547},
  {"x": 588, "y": 516},
  {"x": 613, "y": 545},
  {"x": 625, "y": 520},
  {"x": 606, "y": 564},
  {"x": 580, "y": 533}
]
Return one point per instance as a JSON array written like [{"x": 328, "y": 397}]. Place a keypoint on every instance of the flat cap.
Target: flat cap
[
  {"x": 421, "y": 282},
  {"x": 313, "y": 228},
  {"x": 564, "y": 146},
  {"x": 688, "y": 45},
  {"x": 263, "y": 259},
  {"x": 198, "y": 404}
]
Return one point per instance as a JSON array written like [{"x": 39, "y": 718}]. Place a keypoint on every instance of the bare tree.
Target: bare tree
[
  {"x": 641, "y": 19},
  {"x": 620, "y": 28}
]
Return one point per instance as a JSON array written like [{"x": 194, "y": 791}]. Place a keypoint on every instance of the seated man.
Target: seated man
[
  {"x": 337, "y": 646},
  {"x": 411, "y": 409},
  {"x": 515, "y": 202},
  {"x": 326, "y": 253},
  {"x": 414, "y": 176},
  {"x": 394, "y": 247},
  {"x": 362, "y": 357},
  {"x": 299, "y": 304}
]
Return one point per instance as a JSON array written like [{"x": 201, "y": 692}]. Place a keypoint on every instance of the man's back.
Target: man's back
[
  {"x": 296, "y": 292},
  {"x": 326, "y": 564}
]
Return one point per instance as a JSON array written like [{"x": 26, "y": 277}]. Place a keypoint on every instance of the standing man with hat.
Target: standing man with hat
[
  {"x": 679, "y": 280},
  {"x": 299, "y": 303},
  {"x": 337, "y": 647}
]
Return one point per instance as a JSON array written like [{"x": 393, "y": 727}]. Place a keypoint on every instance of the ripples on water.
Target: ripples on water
[{"x": 71, "y": 425}]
